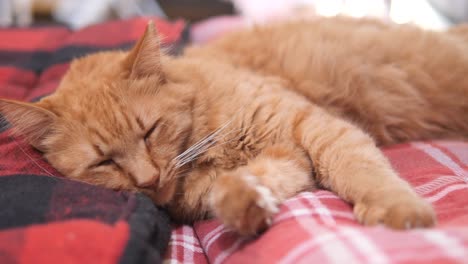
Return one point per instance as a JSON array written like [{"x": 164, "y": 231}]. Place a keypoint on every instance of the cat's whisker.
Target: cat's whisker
[
  {"x": 195, "y": 155},
  {"x": 199, "y": 151},
  {"x": 180, "y": 174},
  {"x": 223, "y": 143},
  {"x": 208, "y": 147},
  {"x": 204, "y": 148},
  {"x": 205, "y": 144},
  {"x": 192, "y": 148},
  {"x": 206, "y": 140},
  {"x": 208, "y": 137},
  {"x": 30, "y": 158},
  {"x": 197, "y": 146},
  {"x": 215, "y": 145}
]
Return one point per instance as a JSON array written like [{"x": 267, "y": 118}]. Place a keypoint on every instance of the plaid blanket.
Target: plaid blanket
[
  {"x": 319, "y": 227},
  {"x": 48, "y": 219}
]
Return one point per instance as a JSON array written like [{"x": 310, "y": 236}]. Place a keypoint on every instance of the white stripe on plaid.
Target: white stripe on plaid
[
  {"x": 328, "y": 242},
  {"x": 211, "y": 234},
  {"x": 321, "y": 210},
  {"x": 173, "y": 246},
  {"x": 306, "y": 211},
  {"x": 183, "y": 246},
  {"x": 296, "y": 208},
  {"x": 225, "y": 253},
  {"x": 188, "y": 246},
  {"x": 189, "y": 241},
  {"x": 436, "y": 197},
  {"x": 445, "y": 160},
  {"x": 188, "y": 236},
  {"x": 459, "y": 150},
  {"x": 439, "y": 182},
  {"x": 221, "y": 230},
  {"x": 333, "y": 248},
  {"x": 450, "y": 244},
  {"x": 368, "y": 249}
]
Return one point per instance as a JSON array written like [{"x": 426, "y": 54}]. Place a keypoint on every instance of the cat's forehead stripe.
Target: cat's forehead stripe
[
  {"x": 98, "y": 150},
  {"x": 98, "y": 134},
  {"x": 114, "y": 97},
  {"x": 128, "y": 123},
  {"x": 140, "y": 123}
]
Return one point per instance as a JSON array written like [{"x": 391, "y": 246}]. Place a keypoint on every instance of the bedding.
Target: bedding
[
  {"x": 46, "y": 218},
  {"x": 319, "y": 227}
]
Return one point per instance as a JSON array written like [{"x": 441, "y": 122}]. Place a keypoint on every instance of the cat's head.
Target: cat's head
[{"x": 115, "y": 120}]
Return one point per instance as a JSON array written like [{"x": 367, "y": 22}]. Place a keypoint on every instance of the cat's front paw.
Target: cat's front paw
[
  {"x": 242, "y": 203},
  {"x": 399, "y": 210}
]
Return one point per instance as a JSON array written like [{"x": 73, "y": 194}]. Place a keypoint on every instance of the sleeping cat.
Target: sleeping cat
[{"x": 233, "y": 128}]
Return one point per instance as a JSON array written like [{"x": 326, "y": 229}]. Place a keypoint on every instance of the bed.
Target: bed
[{"x": 46, "y": 218}]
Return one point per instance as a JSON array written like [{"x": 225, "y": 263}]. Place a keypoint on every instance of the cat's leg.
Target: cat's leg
[
  {"x": 347, "y": 161},
  {"x": 246, "y": 198}
]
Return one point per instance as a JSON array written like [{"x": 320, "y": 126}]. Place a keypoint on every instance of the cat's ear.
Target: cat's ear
[
  {"x": 28, "y": 120},
  {"x": 144, "y": 59}
]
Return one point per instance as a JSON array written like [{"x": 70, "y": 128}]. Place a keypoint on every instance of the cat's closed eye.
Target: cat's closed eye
[
  {"x": 106, "y": 162},
  {"x": 151, "y": 130}
]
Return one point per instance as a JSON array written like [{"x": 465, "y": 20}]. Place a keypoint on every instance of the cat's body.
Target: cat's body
[
  {"x": 398, "y": 83},
  {"x": 234, "y": 128}
]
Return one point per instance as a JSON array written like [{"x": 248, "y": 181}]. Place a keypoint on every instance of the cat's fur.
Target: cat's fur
[{"x": 233, "y": 128}]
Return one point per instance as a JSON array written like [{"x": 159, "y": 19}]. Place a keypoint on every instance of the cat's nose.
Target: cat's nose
[
  {"x": 148, "y": 181},
  {"x": 142, "y": 169}
]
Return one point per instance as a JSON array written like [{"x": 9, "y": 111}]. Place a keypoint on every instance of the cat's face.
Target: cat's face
[{"x": 115, "y": 121}]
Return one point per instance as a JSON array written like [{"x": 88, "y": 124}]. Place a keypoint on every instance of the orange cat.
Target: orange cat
[{"x": 233, "y": 128}]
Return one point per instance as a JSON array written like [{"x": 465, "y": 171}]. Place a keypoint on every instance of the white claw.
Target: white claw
[{"x": 266, "y": 199}]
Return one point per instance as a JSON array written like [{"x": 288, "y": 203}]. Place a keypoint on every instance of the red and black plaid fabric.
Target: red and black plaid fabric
[{"x": 45, "y": 218}]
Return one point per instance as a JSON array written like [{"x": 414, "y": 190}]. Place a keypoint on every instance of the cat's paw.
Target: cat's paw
[
  {"x": 399, "y": 210},
  {"x": 242, "y": 203}
]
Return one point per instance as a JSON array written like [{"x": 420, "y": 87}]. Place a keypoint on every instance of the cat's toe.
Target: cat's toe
[
  {"x": 399, "y": 212},
  {"x": 243, "y": 204},
  {"x": 415, "y": 214}
]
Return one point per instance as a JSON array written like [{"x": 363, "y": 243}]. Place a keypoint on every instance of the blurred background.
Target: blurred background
[{"x": 208, "y": 17}]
